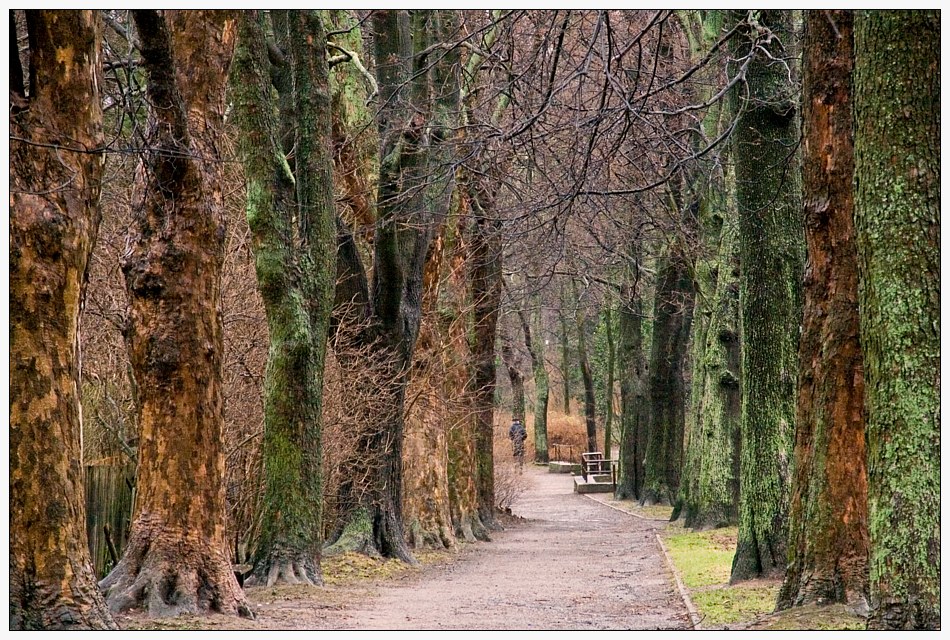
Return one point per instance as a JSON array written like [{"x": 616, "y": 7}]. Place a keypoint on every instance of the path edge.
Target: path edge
[{"x": 694, "y": 617}]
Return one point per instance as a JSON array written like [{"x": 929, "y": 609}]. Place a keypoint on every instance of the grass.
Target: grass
[{"x": 704, "y": 561}]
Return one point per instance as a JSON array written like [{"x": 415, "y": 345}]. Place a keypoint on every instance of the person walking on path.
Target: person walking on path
[{"x": 517, "y": 434}]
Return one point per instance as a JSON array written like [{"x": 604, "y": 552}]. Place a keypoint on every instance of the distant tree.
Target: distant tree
[
  {"x": 587, "y": 375},
  {"x": 292, "y": 218},
  {"x": 828, "y": 524},
  {"x": 771, "y": 257},
  {"x": 897, "y": 223},
  {"x": 56, "y": 169},
  {"x": 531, "y": 326},
  {"x": 177, "y": 557}
]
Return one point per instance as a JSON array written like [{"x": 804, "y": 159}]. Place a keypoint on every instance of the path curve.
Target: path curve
[{"x": 572, "y": 563}]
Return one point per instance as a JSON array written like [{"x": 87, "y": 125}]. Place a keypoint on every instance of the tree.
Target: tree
[
  {"x": 771, "y": 265},
  {"x": 609, "y": 381},
  {"x": 633, "y": 405},
  {"x": 413, "y": 134},
  {"x": 590, "y": 407},
  {"x": 535, "y": 346},
  {"x": 709, "y": 491},
  {"x": 292, "y": 219},
  {"x": 56, "y": 165},
  {"x": 514, "y": 376},
  {"x": 177, "y": 560},
  {"x": 897, "y": 224},
  {"x": 828, "y": 537}
]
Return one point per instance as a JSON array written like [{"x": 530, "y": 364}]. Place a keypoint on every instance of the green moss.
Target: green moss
[
  {"x": 734, "y": 604},
  {"x": 703, "y": 558}
]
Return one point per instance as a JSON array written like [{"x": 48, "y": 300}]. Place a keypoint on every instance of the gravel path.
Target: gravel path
[{"x": 572, "y": 563}]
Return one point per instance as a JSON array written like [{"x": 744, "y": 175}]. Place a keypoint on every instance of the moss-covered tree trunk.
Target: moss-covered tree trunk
[
  {"x": 632, "y": 369},
  {"x": 709, "y": 490},
  {"x": 294, "y": 237},
  {"x": 535, "y": 346},
  {"x": 177, "y": 558},
  {"x": 827, "y": 530},
  {"x": 897, "y": 222},
  {"x": 771, "y": 255},
  {"x": 672, "y": 315},
  {"x": 55, "y": 172}
]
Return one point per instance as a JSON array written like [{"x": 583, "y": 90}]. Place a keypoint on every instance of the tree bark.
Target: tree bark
[
  {"x": 292, "y": 220},
  {"x": 897, "y": 223},
  {"x": 609, "y": 383},
  {"x": 709, "y": 489},
  {"x": 177, "y": 560},
  {"x": 828, "y": 535},
  {"x": 535, "y": 346},
  {"x": 565, "y": 360},
  {"x": 673, "y": 310},
  {"x": 771, "y": 262},
  {"x": 55, "y": 172},
  {"x": 590, "y": 405},
  {"x": 633, "y": 405}
]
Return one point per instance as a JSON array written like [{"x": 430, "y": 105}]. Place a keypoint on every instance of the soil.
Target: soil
[{"x": 563, "y": 561}]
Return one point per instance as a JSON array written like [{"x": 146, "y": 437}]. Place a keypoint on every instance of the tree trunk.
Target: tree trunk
[
  {"x": 408, "y": 217},
  {"x": 828, "y": 535},
  {"x": 609, "y": 383},
  {"x": 897, "y": 222},
  {"x": 535, "y": 346},
  {"x": 486, "y": 258},
  {"x": 632, "y": 380},
  {"x": 177, "y": 557},
  {"x": 55, "y": 173},
  {"x": 514, "y": 376},
  {"x": 673, "y": 310},
  {"x": 295, "y": 279},
  {"x": 565, "y": 359},
  {"x": 590, "y": 405},
  {"x": 771, "y": 262},
  {"x": 709, "y": 489}
]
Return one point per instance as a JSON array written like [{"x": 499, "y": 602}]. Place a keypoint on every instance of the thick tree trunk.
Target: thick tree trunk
[
  {"x": 897, "y": 222},
  {"x": 709, "y": 489},
  {"x": 828, "y": 534},
  {"x": 673, "y": 310},
  {"x": 177, "y": 559},
  {"x": 296, "y": 283},
  {"x": 633, "y": 404},
  {"x": 771, "y": 261},
  {"x": 55, "y": 172},
  {"x": 535, "y": 346},
  {"x": 486, "y": 257}
]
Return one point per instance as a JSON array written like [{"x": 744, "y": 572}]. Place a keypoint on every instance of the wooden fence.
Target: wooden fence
[{"x": 109, "y": 495}]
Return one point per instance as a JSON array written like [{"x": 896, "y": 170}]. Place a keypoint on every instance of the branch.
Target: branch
[{"x": 350, "y": 56}]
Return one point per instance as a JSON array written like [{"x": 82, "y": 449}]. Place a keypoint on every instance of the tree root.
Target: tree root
[{"x": 170, "y": 575}]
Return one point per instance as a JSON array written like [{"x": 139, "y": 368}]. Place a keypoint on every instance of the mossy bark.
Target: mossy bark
[
  {"x": 590, "y": 406},
  {"x": 709, "y": 490},
  {"x": 609, "y": 383},
  {"x": 672, "y": 315},
  {"x": 633, "y": 405},
  {"x": 771, "y": 257},
  {"x": 294, "y": 234},
  {"x": 828, "y": 526},
  {"x": 55, "y": 173},
  {"x": 897, "y": 223},
  {"x": 177, "y": 559}
]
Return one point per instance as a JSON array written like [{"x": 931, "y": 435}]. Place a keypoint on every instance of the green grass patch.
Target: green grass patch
[
  {"x": 729, "y": 605},
  {"x": 703, "y": 558}
]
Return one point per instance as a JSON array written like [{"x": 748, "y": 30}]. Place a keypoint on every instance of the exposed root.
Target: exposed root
[
  {"x": 169, "y": 575},
  {"x": 283, "y": 571}
]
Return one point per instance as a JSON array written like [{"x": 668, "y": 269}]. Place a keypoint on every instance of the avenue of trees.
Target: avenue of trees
[{"x": 298, "y": 268}]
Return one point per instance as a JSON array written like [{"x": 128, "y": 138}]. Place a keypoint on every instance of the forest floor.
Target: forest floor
[{"x": 563, "y": 561}]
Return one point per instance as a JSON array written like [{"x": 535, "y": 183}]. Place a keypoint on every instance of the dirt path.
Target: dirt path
[{"x": 571, "y": 564}]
